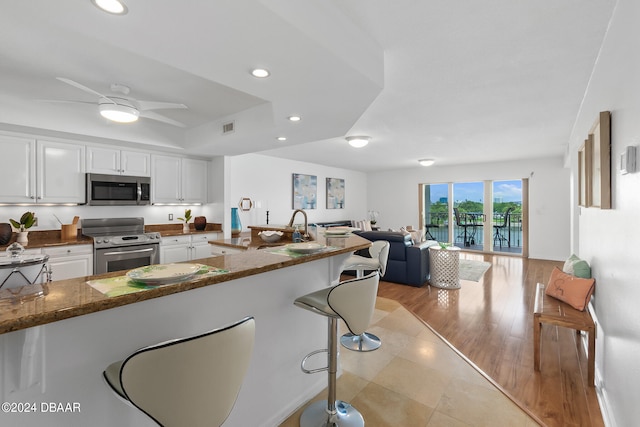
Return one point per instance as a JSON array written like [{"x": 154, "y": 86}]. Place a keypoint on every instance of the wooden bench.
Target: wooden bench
[{"x": 555, "y": 312}]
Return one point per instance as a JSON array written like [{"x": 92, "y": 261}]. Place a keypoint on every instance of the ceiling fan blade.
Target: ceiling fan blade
[
  {"x": 156, "y": 105},
  {"x": 84, "y": 88},
  {"x": 159, "y": 117},
  {"x": 61, "y": 101}
]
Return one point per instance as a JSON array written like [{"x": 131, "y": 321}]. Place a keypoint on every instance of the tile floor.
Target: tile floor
[{"x": 416, "y": 380}]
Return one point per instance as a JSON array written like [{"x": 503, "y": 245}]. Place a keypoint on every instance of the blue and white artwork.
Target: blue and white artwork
[
  {"x": 305, "y": 191},
  {"x": 335, "y": 193}
]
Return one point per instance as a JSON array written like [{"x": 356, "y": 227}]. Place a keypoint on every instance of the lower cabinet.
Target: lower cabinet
[
  {"x": 219, "y": 250},
  {"x": 70, "y": 261},
  {"x": 186, "y": 247}
]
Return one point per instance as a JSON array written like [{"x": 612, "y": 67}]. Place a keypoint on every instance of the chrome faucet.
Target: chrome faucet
[{"x": 306, "y": 225}]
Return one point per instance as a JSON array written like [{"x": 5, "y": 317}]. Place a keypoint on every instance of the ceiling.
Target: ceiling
[{"x": 457, "y": 81}]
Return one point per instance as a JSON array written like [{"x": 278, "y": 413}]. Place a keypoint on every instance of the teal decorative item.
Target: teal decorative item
[{"x": 236, "y": 225}]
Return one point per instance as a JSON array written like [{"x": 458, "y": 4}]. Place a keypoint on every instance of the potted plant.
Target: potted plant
[
  {"x": 186, "y": 219},
  {"x": 26, "y": 221}
]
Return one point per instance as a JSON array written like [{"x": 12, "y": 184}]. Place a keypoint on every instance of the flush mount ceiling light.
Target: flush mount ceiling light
[
  {"x": 295, "y": 118},
  {"x": 281, "y": 138},
  {"x": 426, "y": 162},
  {"x": 118, "y": 112},
  {"x": 115, "y": 7},
  {"x": 260, "y": 73},
  {"x": 358, "y": 141}
]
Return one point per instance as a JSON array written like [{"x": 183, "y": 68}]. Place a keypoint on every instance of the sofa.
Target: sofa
[{"x": 408, "y": 263}]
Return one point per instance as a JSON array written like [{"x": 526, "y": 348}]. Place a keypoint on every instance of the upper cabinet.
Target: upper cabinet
[
  {"x": 42, "y": 171},
  {"x": 178, "y": 180},
  {"x": 118, "y": 162},
  {"x": 19, "y": 173}
]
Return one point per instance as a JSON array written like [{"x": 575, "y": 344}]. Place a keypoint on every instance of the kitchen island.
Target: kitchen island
[{"x": 53, "y": 349}]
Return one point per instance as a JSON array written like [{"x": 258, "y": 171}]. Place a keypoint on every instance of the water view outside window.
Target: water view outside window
[
  {"x": 474, "y": 222},
  {"x": 507, "y": 216},
  {"x": 468, "y": 209},
  {"x": 436, "y": 211}
]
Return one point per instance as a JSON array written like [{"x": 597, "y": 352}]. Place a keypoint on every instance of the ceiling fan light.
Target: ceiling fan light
[
  {"x": 119, "y": 113},
  {"x": 358, "y": 141},
  {"x": 115, "y": 7},
  {"x": 426, "y": 162}
]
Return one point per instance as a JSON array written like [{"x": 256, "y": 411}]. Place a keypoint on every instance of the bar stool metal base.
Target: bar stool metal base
[
  {"x": 364, "y": 342},
  {"x": 317, "y": 415}
]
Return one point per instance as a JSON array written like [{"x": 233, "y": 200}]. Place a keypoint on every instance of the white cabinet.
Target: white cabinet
[
  {"x": 42, "y": 171},
  {"x": 118, "y": 162},
  {"x": 194, "y": 181},
  {"x": 218, "y": 250},
  {"x": 18, "y": 174},
  {"x": 178, "y": 180},
  {"x": 175, "y": 249},
  {"x": 200, "y": 247},
  {"x": 67, "y": 262},
  {"x": 186, "y": 247},
  {"x": 60, "y": 173}
]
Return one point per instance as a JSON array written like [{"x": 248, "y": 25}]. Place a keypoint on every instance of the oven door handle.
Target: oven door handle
[{"x": 137, "y": 251}]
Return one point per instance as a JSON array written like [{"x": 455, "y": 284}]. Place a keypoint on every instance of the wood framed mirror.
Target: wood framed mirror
[{"x": 245, "y": 204}]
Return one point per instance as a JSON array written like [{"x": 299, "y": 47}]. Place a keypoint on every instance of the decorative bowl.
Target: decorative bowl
[{"x": 270, "y": 236}]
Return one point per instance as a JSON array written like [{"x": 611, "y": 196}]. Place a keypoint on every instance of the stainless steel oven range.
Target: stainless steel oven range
[{"x": 121, "y": 244}]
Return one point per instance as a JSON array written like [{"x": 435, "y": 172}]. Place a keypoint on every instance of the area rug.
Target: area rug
[{"x": 473, "y": 270}]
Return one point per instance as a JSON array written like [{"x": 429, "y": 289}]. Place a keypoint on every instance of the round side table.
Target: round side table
[{"x": 444, "y": 267}]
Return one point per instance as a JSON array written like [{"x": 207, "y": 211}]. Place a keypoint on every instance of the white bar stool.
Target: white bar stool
[
  {"x": 189, "y": 381},
  {"x": 379, "y": 252},
  {"x": 352, "y": 301}
]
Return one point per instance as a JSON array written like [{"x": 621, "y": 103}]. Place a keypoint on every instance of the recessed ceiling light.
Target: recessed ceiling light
[
  {"x": 295, "y": 118},
  {"x": 111, "y": 6},
  {"x": 426, "y": 162},
  {"x": 260, "y": 73},
  {"x": 281, "y": 138},
  {"x": 358, "y": 141}
]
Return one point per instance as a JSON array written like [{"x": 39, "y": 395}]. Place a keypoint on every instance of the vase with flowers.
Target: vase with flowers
[{"x": 27, "y": 220}]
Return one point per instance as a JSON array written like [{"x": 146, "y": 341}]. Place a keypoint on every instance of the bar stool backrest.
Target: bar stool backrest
[
  {"x": 380, "y": 249},
  {"x": 191, "y": 381},
  {"x": 355, "y": 300}
]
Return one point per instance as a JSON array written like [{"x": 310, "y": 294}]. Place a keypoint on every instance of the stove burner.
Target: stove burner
[{"x": 117, "y": 232}]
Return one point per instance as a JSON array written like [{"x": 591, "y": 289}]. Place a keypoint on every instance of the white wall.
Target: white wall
[
  {"x": 608, "y": 239},
  {"x": 268, "y": 181},
  {"x": 395, "y": 195}
]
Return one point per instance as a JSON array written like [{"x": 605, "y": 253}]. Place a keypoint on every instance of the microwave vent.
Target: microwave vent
[{"x": 228, "y": 127}]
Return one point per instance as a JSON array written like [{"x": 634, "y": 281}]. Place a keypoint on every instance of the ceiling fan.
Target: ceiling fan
[{"x": 122, "y": 108}]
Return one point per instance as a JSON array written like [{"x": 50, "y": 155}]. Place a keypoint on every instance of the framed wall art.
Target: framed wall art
[
  {"x": 584, "y": 186},
  {"x": 599, "y": 168},
  {"x": 305, "y": 191},
  {"x": 335, "y": 193}
]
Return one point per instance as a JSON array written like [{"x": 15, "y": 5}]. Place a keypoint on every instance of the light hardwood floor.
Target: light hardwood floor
[{"x": 491, "y": 323}]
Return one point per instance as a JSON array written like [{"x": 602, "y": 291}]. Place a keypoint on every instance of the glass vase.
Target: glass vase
[{"x": 236, "y": 225}]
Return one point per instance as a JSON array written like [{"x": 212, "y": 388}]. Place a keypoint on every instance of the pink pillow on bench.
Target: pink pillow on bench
[{"x": 573, "y": 290}]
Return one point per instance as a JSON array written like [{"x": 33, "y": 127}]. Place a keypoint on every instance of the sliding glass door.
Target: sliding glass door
[
  {"x": 468, "y": 215},
  {"x": 506, "y": 216},
  {"x": 485, "y": 216},
  {"x": 435, "y": 213}
]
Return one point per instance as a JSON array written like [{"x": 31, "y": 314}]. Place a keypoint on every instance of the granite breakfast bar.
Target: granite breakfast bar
[{"x": 53, "y": 349}]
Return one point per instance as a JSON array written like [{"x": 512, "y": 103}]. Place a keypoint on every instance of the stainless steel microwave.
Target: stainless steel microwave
[{"x": 118, "y": 190}]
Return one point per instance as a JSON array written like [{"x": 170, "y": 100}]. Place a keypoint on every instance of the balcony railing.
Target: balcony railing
[{"x": 469, "y": 232}]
